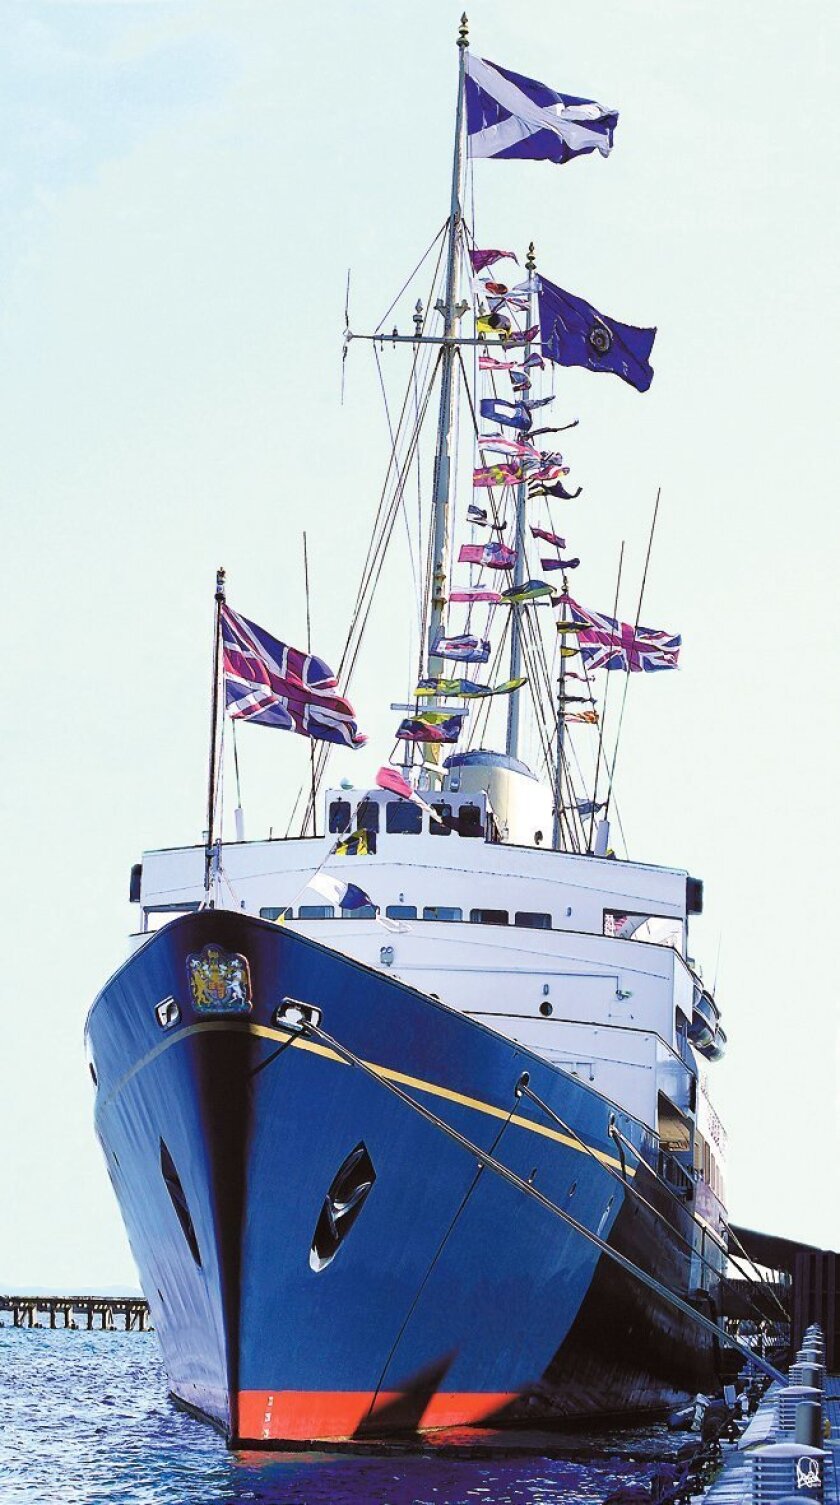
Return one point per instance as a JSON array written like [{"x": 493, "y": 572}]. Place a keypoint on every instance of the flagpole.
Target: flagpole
[
  {"x": 214, "y": 737},
  {"x": 512, "y": 742},
  {"x": 309, "y": 650},
  {"x": 557, "y": 832},
  {"x": 443, "y": 457}
]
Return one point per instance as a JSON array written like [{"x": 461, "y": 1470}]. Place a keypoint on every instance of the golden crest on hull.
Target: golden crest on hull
[{"x": 220, "y": 981}]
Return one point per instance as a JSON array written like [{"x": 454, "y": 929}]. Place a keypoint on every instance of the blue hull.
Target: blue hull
[{"x": 442, "y": 1295}]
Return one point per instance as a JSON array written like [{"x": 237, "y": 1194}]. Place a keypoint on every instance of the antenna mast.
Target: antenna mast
[
  {"x": 451, "y": 313},
  {"x": 212, "y": 772}
]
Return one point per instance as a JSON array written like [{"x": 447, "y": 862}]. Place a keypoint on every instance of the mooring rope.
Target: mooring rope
[
  {"x": 617, "y": 1135},
  {"x": 488, "y": 1161},
  {"x": 567, "y": 1128}
]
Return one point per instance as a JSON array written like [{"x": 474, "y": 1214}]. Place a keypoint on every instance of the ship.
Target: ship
[{"x": 409, "y": 1120}]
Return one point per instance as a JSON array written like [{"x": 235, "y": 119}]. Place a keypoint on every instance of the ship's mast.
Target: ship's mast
[
  {"x": 557, "y": 833},
  {"x": 512, "y": 741},
  {"x": 449, "y": 309}
]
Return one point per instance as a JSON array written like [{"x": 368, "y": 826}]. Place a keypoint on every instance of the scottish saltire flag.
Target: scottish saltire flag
[
  {"x": 464, "y": 649},
  {"x": 573, "y": 333},
  {"x": 509, "y": 115},
  {"x": 272, "y": 684},
  {"x": 608, "y": 644}
]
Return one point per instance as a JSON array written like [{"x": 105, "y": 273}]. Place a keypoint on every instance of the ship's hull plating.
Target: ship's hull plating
[{"x": 452, "y": 1297}]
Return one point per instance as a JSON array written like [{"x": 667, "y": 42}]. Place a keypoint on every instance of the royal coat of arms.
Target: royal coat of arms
[{"x": 220, "y": 981}]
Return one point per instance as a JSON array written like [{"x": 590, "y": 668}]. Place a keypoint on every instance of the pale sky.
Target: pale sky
[{"x": 182, "y": 190}]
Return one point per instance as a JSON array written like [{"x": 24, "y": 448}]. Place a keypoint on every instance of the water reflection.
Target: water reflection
[{"x": 85, "y": 1419}]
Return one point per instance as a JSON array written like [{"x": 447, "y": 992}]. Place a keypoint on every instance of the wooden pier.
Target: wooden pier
[{"x": 86, "y": 1312}]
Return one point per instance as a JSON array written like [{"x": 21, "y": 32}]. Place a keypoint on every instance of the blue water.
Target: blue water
[{"x": 85, "y": 1419}]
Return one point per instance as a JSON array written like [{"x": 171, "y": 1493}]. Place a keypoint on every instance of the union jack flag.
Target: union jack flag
[
  {"x": 608, "y": 644},
  {"x": 274, "y": 685}
]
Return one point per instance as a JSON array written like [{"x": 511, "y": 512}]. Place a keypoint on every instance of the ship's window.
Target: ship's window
[
  {"x": 469, "y": 821},
  {"x": 339, "y": 815},
  {"x": 155, "y": 916},
  {"x": 443, "y": 825},
  {"x": 401, "y": 911},
  {"x": 403, "y": 818},
  {"x": 489, "y": 916},
  {"x": 531, "y": 920},
  {"x": 658, "y": 930},
  {"x": 364, "y": 912},
  {"x": 351, "y": 1186},
  {"x": 173, "y": 1185},
  {"x": 316, "y": 912},
  {"x": 367, "y": 815},
  {"x": 273, "y": 913},
  {"x": 441, "y": 912}
]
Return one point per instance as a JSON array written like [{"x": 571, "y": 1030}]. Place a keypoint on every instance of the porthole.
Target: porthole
[
  {"x": 93, "y": 1076},
  {"x": 570, "y": 1193},
  {"x": 546, "y": 1009},
  {"x": 172, "y": 1182}
]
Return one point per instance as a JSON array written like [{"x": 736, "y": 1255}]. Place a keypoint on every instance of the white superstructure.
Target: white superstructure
[{"x": 582, "y": 959}]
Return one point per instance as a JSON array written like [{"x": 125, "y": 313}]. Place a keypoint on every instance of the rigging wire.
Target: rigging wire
[
  {"x": 388, "y": 500},
  {"x": 635, "y": 632},
  {"x": 606, "y": 696},
  {"x": 410, "y": 278},
  {"x": 403, "y": 507}
]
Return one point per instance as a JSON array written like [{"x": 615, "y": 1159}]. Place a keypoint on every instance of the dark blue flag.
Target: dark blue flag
[
  {"x": 513, "y": 415},
  {"x": 573, "y": 333}
]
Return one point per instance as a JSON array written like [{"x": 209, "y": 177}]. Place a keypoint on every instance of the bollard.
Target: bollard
[
  {"x": 782, "y": 1469},
  {"x": 787, "y": 1401},
  {"x": 809, "y": 1428}
]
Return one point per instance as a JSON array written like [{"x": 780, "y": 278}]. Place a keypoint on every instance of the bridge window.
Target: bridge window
[
  {"x": 531, "y": 920},
  {"x": 272, "y": 913},
  {"x": 441, "y": 912},
  {"x": 401, "y": 911},
  {"x": 658, "y": 930},
  {"x": 367, "y": 815},
  {"x": 470, "y": 822},
  {"x": 489, "y": 916},
  {"x": 339, "y": 815},
  {"x": 364, "y": 912},
  {"x": 443, "y": 825},
  {"x": 403, "y": 818},
  {"x": 316, "y": 912}
]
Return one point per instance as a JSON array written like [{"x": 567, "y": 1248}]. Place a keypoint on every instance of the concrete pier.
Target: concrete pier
[{"x": 88, "y": 1312}]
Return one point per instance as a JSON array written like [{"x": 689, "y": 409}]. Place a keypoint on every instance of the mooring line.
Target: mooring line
[{"x": 488, "y": 1160}]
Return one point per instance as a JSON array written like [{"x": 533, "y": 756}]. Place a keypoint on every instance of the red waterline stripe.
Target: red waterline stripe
[{"x": 324, "y": 1415}]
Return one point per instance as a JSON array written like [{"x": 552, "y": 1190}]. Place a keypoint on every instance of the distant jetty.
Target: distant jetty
[{"x": 87, "y": 1312}]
